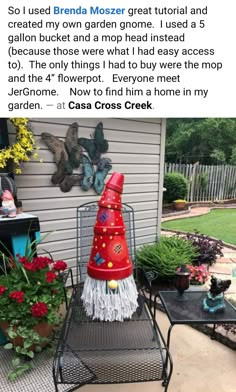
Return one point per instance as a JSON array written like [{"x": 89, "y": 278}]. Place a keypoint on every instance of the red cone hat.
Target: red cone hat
[{"x": 109, "y": 259}]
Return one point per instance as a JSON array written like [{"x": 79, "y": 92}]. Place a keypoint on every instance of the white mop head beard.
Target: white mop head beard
[{"x": 105, "y": 304}]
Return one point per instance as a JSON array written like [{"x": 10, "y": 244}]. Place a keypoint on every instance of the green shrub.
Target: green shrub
[
  {"x": 176, "y": 187},
  {"x": 165, "y": 256}
]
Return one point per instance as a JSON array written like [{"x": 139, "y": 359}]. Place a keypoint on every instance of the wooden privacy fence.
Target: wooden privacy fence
[{"x": 207, "y": 182}]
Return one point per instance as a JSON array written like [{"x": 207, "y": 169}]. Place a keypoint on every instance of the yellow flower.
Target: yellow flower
[{"x": 22, "y": 149}]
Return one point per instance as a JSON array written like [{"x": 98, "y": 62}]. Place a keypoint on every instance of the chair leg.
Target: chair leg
[
  {"x": 66, "y": 299},
  {"x": 55, "y": 381},
  {"x": 166, "y": 381}
]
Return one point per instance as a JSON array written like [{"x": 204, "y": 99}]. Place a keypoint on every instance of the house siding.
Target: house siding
[{"x": 136, "y": 148}]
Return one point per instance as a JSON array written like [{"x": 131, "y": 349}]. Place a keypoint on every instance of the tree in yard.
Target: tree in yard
[
  {"x": 207, "y": 140},
  {"x": 218, "y": 156},
  {"x": 233, "y": 156}
]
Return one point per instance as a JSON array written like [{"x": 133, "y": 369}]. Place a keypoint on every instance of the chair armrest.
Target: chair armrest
[
  {"x": 145, "y": 279},
  {"x": 64, "y": 277}
]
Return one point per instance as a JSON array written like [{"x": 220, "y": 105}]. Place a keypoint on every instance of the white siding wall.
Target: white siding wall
[{"x": 135, "y": 146}]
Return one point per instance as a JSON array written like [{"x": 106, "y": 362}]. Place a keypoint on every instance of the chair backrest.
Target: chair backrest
[{"x": 86, "y": 217}]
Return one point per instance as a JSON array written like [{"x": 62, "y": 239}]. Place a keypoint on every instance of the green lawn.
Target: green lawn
[{"x": 220, "y": 224}]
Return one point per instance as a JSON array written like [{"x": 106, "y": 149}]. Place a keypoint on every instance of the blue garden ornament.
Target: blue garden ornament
[{"x": 214, "y": 300}]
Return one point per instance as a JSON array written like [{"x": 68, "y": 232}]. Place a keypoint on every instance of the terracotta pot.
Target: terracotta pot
[
  {"x": 179, "y": 206},
  {"x": 43, "y": 329}
]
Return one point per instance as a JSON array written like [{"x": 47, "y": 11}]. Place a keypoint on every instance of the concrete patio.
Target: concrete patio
[{"x": 199, "y": 363}]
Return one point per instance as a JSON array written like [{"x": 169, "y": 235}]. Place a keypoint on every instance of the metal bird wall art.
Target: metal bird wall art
[{"x": 69, "y": 155}]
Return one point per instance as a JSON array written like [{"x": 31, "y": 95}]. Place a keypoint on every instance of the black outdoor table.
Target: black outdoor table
[{"x": 191, "y": 312}]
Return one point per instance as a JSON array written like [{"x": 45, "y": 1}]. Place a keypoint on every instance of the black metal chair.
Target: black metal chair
[{"x": 95, "y": 352}]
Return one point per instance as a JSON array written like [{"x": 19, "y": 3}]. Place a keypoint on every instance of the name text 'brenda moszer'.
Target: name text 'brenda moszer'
[{"x": 92, "y": 11}]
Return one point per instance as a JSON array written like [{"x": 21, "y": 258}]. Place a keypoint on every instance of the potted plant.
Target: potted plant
[
  {"x": 31, "y": 291},
  {"x": 198, "y": 274},
  {"x": 179, "y": 204}
]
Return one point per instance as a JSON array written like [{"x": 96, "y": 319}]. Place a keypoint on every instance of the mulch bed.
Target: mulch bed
[{"x": 167, "y": 210}]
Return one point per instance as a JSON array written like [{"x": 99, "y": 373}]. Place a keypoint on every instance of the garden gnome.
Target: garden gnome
[
  {"x": 214, "y": 300},
  {"x": 8, "y": 205},
  {"x": 110, "y": 292}
]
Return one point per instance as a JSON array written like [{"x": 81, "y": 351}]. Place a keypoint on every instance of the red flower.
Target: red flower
[
  {"x": 2, "y": 290},
  {"x": 41, "y": 262},
  {"x": 39, "y": 309},
  {"x": 30, "y": 266},
  {"x": 17, "y": 295},
  {"x": 50, "y": 276},
  {"x": 59, "y": 265},
  {"x": 23, "y": 259}
]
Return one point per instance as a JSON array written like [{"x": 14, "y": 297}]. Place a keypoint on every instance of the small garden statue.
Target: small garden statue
[
  {"x": 8, "y": 205},
  {"x": 214, "y": 300}
]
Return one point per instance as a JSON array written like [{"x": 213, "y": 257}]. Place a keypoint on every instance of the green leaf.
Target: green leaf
[
  {"x": 25, "y": 274},
  {"x": 26, "y": 366},
  {"x": 22, "y": 369},
  {"x": 12, "y": 375},
  {"x": 24, "y": 351},
  {"x": 27, "y": 343},
  {"x": 18, "y": 349},
  {"x": 30, "y": 354},
  {"x": 16, "y": 362},
  {"x": 23, "y": 334},
  {"x": 8, "y": 346},
  {"x": 12, "y": 334}
]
